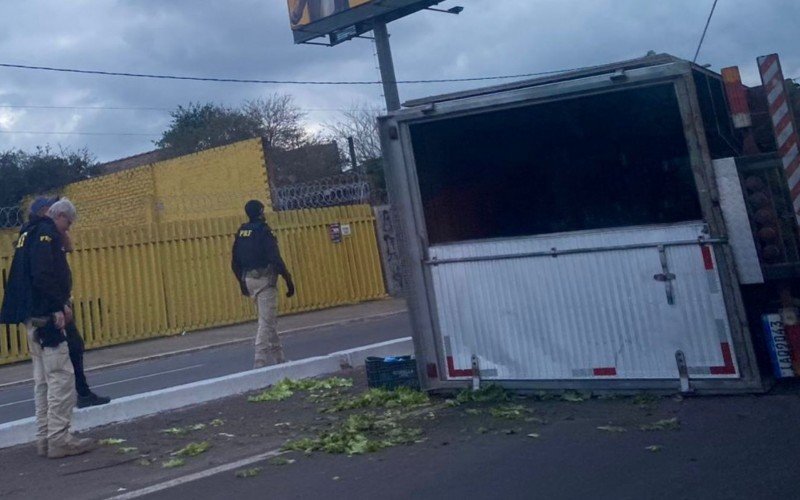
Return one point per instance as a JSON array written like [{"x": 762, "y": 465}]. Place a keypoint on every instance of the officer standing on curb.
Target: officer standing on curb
[
  {"x": 257, "y": 263},
  {"x": 86, "y": 397},
  {"x": 38, "y": 292}
]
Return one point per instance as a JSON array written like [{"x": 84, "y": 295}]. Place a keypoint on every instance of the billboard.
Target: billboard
[{"x": 341, "y": 20}]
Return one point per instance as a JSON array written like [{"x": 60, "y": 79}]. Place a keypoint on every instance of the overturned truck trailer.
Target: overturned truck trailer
[{"x": 566, "y": 232}]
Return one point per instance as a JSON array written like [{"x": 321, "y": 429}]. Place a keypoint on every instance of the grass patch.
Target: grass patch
[
  {"x": 193, "y": 449},
  {"x": 126, "y": 449},
  {"x": 281, "y": 461}
]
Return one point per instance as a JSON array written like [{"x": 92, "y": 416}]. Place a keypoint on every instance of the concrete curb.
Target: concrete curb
[
  {"x": 149, "y": 403},
  {"x": 224, "y": 343}
]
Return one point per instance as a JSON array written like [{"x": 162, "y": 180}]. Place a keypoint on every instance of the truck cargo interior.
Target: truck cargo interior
[{"x": 605, "y": 160}]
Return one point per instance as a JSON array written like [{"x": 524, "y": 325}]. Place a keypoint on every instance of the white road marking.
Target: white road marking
[
  {"x": 119, "y": 381},
  {"x": 149, "y": 375},
  {"x": 197, "y": 475},
  {"x": 16, "y": 402}
]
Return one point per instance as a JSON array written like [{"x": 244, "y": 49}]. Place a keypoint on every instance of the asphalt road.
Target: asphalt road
[
  {"x": 727, "y": 447},
  {"x": 16, "y": 402}
]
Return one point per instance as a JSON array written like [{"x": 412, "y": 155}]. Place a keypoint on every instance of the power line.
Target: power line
[
  {"x": 703, "y": 37},
  {"x": 74, "y": 133},
  {"x": 127, "y": 108},
  {"x": 280, "y": 82}
]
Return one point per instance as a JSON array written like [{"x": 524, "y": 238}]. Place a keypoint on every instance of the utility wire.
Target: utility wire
[
  {"x": 703, "y": 37},
  {"x": 127, "y": 108},
  {"x": 75, "y": 133},
  {"x": 281, "y": 82}
]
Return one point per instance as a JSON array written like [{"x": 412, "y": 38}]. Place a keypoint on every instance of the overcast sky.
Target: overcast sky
[{"x": 251, "y": 39}]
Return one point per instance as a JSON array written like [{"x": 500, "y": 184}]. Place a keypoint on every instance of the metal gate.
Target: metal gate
[{"x": 603, "y": 304}]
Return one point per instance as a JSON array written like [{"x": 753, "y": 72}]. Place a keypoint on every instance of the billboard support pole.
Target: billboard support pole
[{"x": 390, "y": 92}]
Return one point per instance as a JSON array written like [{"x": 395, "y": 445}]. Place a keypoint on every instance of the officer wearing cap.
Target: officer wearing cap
[
  {"x": 38, "y": 292},
  {"x": 257, "y": 263},
  {"x": 77, "y": 347}
]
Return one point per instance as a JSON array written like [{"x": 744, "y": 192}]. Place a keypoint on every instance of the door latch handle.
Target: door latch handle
[{"x": 665, "y": 276}]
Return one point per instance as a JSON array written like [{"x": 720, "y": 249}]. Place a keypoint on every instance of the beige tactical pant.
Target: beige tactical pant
[
  {"x": 53, "y": 389},
  {"x": 262, "y": 286}
]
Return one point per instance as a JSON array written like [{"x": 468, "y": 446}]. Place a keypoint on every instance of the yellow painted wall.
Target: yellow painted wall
[
  {"x": 122, "y": 198},
  {"x": 213, "y": 183},
  {"x": 153, "y": 250}
]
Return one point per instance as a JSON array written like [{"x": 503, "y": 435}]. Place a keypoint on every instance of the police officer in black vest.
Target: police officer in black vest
[
  {"x": 257, "y": 263},
  {"x": 38, "y": 294},
  {"x": 77, "y": 347}
]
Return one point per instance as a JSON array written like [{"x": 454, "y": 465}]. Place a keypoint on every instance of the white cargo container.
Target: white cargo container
[{"x": 566, "y": 232}]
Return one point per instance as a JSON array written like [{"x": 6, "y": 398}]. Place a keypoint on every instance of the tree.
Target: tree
[
  {"x": 43, "y": 171},
  {"x": 281, "y": 121},
  {"x": 196, "y": 127},
  {"x": 201, "y": 126},
  {"x": 360, "y": 123}
]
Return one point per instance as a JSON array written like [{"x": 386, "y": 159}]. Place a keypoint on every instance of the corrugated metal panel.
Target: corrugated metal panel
[
  {"x": 731, "y": 200},
  {"x": 593, "y": 314}
]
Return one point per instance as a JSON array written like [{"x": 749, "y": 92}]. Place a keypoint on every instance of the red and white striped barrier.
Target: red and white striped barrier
[{"x": 783, "y": 123}]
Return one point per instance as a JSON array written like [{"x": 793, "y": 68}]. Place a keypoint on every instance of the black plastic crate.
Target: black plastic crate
[{"x": 392, "y": 372}]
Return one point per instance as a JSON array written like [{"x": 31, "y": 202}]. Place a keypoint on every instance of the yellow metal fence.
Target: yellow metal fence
[{"x": 137, "y": 282}]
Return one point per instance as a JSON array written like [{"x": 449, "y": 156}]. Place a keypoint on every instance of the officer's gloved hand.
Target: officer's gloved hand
[{"x": 289, "y": 288}]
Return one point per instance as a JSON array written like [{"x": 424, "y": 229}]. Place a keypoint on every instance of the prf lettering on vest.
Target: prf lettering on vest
[
  {"x": 45, "y": 238},
  {"x": 245, "y": 233}
]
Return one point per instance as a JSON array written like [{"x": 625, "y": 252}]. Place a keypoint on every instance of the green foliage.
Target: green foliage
[
  {"x": 111, "y": 441},
  {"x": 509, "y": 411},
  {"x": 201, "y": 126},
  {"x": 402, "y": 397},
  {"x": 274, "y": 118},
  {"x": 172, "y": 463},
  {"x": 42, "y": 171},
  {"x": 487, "y": 394},
  {"x": 286, "y": 388},
  {"x": 668, "y": 424},
  {"x": 645, "y": 399},
  {"x": 358, "y": 434},
  {"x": 251, "y": 472},
  {"x": 281, "y": 461},
  {"x": 611, "y": 428},
  {"x": 193, "y": 449}
]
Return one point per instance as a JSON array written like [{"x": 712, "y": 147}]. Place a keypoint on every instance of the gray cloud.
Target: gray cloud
[{"x": 251, "y": 39}]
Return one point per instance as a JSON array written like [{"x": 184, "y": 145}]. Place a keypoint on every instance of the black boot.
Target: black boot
[{"x": 92, "y": 399}]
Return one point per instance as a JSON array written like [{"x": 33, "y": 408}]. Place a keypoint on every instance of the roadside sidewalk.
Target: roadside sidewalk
[{"x": 116, "y": 355}]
